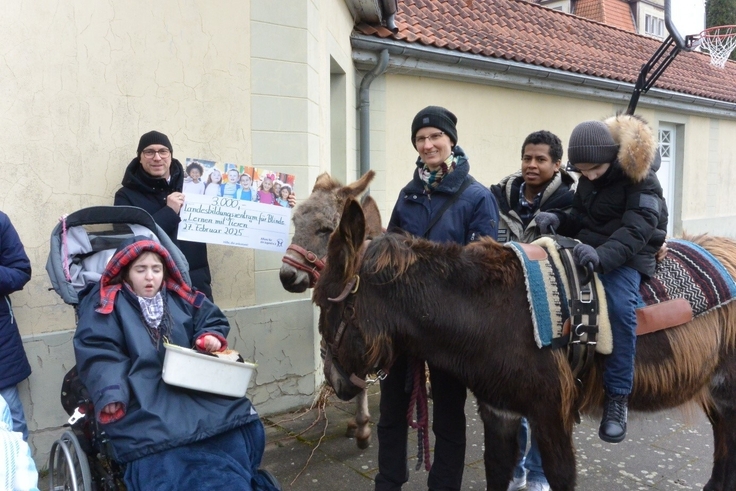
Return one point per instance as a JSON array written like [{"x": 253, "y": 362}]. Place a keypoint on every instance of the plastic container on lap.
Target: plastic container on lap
[{"x": 190, "y": 369}]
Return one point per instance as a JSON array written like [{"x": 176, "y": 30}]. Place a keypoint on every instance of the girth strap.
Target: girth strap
[{"x": 584, "y": 311}]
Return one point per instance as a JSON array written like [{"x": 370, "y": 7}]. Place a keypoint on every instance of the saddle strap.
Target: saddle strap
[{"x": 583, "y": 317}]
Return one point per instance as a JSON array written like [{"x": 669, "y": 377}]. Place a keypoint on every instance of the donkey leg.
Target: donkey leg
[
  {"x": 362, "y": 420},
  {"x": 501, "y": 432},
  {"x": 361, "y": 407},
  {"x": 722, "y": 416},
  {"x": 723, "y": 477},
  {"x": 718, "y": 475},
  {"x": 557, "y": 452}
]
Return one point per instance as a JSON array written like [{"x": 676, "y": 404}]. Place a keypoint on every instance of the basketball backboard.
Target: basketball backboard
[{"x": 683, "y": 20}]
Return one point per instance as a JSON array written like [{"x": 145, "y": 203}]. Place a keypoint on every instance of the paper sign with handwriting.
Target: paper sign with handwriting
[{"x": 234, "y": 222}]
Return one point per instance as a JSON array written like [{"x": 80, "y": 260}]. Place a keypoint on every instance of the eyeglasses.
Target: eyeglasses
[
  {"x": 163, "y": 153},
  {"x": 433, "y": 138}
]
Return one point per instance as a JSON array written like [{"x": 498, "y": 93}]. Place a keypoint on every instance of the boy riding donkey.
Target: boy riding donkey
[{"x": 620, "y": 217}]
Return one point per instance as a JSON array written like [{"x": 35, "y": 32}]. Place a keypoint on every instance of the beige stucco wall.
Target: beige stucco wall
[
  {"x": 709, "y": 204},
  {"x": 492, "y": 123},
  {"x": 81, "y": 82}
]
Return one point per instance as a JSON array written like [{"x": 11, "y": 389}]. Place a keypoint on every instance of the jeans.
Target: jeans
[
  {"x": 448, "y": 425},
  {"x": 12, "y": 397},
  {"x": 530, "y": 462},
  {"x": 622, "y": 290}
]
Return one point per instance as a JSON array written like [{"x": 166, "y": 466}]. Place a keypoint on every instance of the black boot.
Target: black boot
[{"x": 613, "y": 424}]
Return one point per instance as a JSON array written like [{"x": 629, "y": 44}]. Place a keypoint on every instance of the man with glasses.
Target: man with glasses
[{"x": 153, "y": 181}]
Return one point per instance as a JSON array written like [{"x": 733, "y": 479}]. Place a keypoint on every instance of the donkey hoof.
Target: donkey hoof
[
  {"x": 363, "y": 444},
  {"x": 351, "y": 429}
]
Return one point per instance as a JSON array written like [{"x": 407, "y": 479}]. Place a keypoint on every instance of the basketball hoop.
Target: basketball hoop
[{"x": 718, "y": 42}]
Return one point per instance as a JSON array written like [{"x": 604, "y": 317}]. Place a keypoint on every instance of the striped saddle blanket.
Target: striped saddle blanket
[
  {"x": 689, "y": 275},
  {"x": 690, "y": 272}
]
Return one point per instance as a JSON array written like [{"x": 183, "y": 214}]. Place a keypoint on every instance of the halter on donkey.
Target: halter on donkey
[{"x": 314, "y": 220}]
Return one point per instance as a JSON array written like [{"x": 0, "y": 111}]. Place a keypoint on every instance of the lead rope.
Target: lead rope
[{"x": 419, "y": 400}]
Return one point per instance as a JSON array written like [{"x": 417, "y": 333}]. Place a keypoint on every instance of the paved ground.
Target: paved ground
[
  {"x": 307, "y": 450},
  {"x": 662, "y": 452}
]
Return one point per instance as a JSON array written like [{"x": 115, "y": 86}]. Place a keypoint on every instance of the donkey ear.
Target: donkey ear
[
  {"x": 358, "y": 187},
  {"x": 325, "y": 182},
  {"x": 352, "y": 224}
]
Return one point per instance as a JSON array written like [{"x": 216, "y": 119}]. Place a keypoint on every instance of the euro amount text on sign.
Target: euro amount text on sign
[{"x": 234, "y": 222}]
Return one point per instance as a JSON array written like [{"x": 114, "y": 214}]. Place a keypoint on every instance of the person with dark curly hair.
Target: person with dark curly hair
[{"x": 193, "y": 182}]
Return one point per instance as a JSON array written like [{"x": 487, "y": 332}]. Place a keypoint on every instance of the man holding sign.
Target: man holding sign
[{"x": 153, "y": 181}]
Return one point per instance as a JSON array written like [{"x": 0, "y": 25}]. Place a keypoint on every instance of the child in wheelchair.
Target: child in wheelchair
[{"x": 155, "y": 435}]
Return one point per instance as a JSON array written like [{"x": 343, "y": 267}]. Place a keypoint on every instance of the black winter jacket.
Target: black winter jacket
[
  {"x": 622, "y": 213},
  {"x": 141, "y": 190}
]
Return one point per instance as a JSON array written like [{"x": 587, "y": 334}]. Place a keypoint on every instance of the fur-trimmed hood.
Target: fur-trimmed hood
[{"x": 637, "y": 145}]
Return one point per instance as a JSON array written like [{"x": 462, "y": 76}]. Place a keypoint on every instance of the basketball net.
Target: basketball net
[{"x": 718, "y": 42}]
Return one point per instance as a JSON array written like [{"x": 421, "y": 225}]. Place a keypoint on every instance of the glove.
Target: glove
[
  {"x": 584, "y": 254},
  {"x": 546, "y": 221}
]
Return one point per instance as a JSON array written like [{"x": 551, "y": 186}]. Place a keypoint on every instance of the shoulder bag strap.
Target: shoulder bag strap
[{"x": 448, "y": 204}]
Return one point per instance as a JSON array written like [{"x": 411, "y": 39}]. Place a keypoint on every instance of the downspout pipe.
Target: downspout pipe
[{"x": 364, "y": 106}]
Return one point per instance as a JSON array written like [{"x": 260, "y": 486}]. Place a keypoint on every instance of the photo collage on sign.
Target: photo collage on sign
[{"x": 228, "y": 180}]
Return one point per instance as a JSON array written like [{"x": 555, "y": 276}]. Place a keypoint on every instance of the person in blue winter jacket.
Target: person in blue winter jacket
[
  {"x": 442, "y": 175},
  {"x": 15, "y": 272}
]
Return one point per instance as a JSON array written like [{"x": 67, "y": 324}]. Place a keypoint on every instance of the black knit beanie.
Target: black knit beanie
[
  {"x": 437, "y": 117},
  {"x": 591, "y": 142},
  {"x": 154, "y": 138}
]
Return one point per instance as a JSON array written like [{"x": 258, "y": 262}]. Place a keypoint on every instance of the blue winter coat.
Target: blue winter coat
[
  {"x": 15, "y": 272},
  {"x": 118, "y": 362},
  {"x": 473, "y": 215}
]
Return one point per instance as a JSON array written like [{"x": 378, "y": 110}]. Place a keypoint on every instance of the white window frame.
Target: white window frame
[{"x": 653, "y": 25}]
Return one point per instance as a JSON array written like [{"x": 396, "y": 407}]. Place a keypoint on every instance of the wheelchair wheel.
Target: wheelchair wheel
[{"x": 68, "y": 465}]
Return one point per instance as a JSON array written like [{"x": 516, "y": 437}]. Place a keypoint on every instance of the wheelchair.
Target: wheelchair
[
  {"x": 81, "y": 459},
  {"x": 81, "y": 244}
]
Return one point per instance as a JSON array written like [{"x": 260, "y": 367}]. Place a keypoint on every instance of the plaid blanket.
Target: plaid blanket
[{"x": 690, "y": 272}]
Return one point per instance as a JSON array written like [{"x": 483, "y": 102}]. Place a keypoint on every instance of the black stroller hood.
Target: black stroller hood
[{"x": 74, "y": 245}]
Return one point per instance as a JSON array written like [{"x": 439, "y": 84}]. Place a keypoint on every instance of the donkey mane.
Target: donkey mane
[
  {"x": 395, "y": 264},
  {"x": 388, "y": 258}
]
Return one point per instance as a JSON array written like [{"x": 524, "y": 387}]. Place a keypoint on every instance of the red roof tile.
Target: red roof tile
[
  {"x": 527, "y": 33},
  {"x": 616, "y": 13}
]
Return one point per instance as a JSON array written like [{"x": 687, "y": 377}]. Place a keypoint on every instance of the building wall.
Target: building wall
[{"x": 226, "y": 80}]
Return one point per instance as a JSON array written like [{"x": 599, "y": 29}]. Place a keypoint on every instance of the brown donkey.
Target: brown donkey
[
  {"x": 465, "y": 309},
  {"x": 314, "y": 221}
]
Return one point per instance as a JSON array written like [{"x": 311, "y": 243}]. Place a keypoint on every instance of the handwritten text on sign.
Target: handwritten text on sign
[{"x": 234, "y": 222}]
